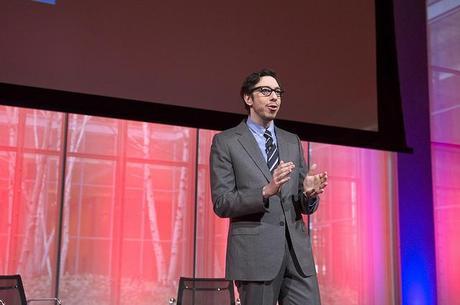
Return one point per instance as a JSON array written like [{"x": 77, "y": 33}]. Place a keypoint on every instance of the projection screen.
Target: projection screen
[{"x": 195, "y": 54}]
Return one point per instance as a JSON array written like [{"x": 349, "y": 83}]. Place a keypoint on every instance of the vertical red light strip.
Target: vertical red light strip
[{"x": 446, "y": 184}]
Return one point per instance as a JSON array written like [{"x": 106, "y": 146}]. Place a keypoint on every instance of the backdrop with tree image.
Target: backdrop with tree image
[{"x": 132, "y": 194}]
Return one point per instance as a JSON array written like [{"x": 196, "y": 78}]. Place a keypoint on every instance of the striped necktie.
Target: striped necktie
[{"x": 271, "y": 150}]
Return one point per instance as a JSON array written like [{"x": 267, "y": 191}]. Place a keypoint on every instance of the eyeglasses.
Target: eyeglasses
[{"x": 267, "y": 91}]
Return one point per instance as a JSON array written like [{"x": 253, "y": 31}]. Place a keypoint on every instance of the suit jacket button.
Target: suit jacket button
[{"x": 281, "y": 223}]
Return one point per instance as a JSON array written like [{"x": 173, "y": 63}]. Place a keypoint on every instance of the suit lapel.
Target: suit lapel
[
  {"x": 250, "y": 145},
  {"x": 283, "y": 147},
  {"x": 284, "y": 150}
]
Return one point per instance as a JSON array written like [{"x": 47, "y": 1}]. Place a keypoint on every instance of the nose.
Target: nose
[{"x": 273, "y": 95}]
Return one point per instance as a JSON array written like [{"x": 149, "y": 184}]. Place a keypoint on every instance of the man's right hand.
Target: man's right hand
[{"x": 281, "y": 175}]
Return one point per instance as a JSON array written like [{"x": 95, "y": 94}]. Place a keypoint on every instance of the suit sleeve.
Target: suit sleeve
[
  {"x": 228, "y": 200},
  {"x": 308, "y": 205}
]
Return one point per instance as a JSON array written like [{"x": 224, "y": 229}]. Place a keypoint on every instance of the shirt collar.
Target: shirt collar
[{"x": 258, "y": 129}]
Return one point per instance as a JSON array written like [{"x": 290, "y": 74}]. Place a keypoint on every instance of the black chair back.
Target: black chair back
[
  {"x": 12, "y": 290},
  {"x": 205, "y": 291}
]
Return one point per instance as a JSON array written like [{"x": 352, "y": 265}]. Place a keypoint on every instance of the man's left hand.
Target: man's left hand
[{"x": 314, "y": 185}]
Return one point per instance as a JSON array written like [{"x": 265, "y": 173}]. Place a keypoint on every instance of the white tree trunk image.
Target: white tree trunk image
[
  {"x": 12, "y": 118},
  {"x": 179, "y": 210},
  {"x": 150, "y": 200},
  {"x": 33, "y": 243},
  {"x": 74, "y": 145}
]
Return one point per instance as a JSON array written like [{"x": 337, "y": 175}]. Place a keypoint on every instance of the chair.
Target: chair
[
  {"x": 204, "y": 291},
  {"x": 12, "y": 292}
]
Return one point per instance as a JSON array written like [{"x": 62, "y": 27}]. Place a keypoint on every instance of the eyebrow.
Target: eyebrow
[{"x": 260, "y": 87}]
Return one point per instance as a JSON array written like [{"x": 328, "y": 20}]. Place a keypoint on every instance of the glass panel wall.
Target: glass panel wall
[
  {"x": 211, "y": 230},
  {"x": 353, "y": 231},
  {"x": 128, "y": 213},
  {"x": 129, "y": 217},
  {"x": 29, "y": 175},
  {"x": 444, "y": 56}
]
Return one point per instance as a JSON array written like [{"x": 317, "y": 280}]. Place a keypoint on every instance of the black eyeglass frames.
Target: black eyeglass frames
[{"x": 267, "y": 91}]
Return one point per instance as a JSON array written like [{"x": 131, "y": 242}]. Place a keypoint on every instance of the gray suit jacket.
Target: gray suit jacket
[{"x": 257, "y": 232}]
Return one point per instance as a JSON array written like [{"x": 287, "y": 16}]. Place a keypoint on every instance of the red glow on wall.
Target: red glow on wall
[{"x": 129, "y": 211}]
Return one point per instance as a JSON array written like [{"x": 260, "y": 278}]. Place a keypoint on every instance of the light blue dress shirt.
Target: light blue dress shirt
[{"x": 258, "y": 133}]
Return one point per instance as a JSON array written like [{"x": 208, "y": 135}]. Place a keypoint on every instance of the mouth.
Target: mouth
[{"x": 272, "y": 107}]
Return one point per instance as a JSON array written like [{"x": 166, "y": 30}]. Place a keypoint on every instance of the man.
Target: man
[{"x": 259, "y": 180}]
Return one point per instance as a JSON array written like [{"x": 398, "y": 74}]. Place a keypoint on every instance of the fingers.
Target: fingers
[
  {"x": 316, "y": 192},
  {"x": 284, "y": 168},
  {"x": 282, "y": 181},
  {"x": 282, "y": 172},
  {"x": 318, "y": 188},
  {"x": 322, "y": 177},
  {"x": 312, "y": 169},
  {"x": 315, "y": 184},
  {"x": 321, "y": 180},
  {"x": 321, "y": 184}
]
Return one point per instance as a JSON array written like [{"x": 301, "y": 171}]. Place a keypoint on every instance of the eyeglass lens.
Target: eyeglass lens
[{"x": 267, "y": 91}]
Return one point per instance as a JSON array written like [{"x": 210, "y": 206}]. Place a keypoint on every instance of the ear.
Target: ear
[{"x": 248, "y": 100}]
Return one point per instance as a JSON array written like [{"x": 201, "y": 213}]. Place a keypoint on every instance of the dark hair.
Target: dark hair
[{"x": 252, "y": 80}]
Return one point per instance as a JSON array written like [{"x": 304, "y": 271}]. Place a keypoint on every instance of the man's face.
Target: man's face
[{"x": 263, "y": 109}]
